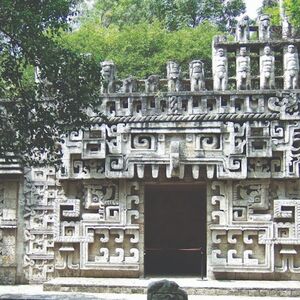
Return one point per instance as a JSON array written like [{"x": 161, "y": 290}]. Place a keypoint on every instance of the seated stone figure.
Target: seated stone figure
[
  {"x": 264, "y": 28},
  {"x": 108, "y": 73},
  {"x": 242, "y": 33},
  {"x": 152, "y": 84},
  {"x": 129, "y": 85},
  {"x": 197, "y": 75}
]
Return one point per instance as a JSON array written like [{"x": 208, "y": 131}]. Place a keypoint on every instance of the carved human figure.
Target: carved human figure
[
  {"x": 197, "y": 75},
  {"x": 243, "y": 81},
  {"x": 242, "y": 33},
  {"x": 41, "y": 79},
  {"x": 108, "y": 73},
  {"x": 129, "y": 85},
  {"x": 173, "y": 75},
  {"x": 291, "y": 68},
  {"x": 220, "y": 70},
  {"x": 286, "y": 28},
  {"x": 152, "y": 84},
  {"x": 264, "y": 32},
  {"x": 37, "y": 74},
  {"x": 267, "y": 74}
]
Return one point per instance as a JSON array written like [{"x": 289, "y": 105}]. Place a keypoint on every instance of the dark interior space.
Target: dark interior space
[{"x": 175, "y": 230}]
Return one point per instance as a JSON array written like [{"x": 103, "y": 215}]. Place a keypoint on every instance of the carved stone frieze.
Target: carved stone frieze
[
  {"x": 40, "y": 191},
  {"x": 235, "y": 129},
  {"x": 105, "y": 230},
  {"x": 257, "y": 218}
]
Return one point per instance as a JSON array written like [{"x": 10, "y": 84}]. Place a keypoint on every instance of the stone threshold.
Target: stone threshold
[{"x": 193, "y": 286}]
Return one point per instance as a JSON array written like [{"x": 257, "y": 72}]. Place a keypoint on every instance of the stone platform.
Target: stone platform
[{"x": 193, "y": 286}]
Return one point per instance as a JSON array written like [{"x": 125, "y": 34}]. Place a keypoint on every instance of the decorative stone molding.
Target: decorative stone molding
[{"x": 237, "y": 132}]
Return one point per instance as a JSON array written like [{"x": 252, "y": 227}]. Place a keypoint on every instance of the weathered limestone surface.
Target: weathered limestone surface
[
  {"x": 291, "y": 67},
  {"x": 243, "y": 70},
  {"x": 242, "y": 33},
  {"x": 8, "y": 230},
  {"x": 241, "y": 139}
]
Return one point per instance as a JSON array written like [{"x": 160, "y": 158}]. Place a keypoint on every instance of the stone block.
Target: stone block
[
  {"x": 7, "y": 275},
  {"x": 165, "y": 289}
]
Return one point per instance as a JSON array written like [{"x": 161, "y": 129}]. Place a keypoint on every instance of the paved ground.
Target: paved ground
[
  {"x": 36, "y": 292},
  {"x": 193, "y": 285}
]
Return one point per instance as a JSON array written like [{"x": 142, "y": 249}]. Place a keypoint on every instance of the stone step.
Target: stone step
[{"x": 193, "y": 286}]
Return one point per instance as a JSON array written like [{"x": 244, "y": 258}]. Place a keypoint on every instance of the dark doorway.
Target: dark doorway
[{"x": 175, "y": 230}]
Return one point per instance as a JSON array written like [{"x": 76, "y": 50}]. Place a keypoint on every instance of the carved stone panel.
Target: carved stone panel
[
  {"x": 235, "y": 127},
  {"x": 8, "y": 230},
  {"x": 254, "y": 227}
]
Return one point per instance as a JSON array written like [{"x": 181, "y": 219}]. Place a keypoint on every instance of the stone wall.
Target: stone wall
[
  {"x": 254, "y": 229},
  {"x": 237, "y": 132},
  {"x": 9, "y": 195}
]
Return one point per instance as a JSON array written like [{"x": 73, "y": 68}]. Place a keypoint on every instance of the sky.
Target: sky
[{"x": 252, "y": 6}]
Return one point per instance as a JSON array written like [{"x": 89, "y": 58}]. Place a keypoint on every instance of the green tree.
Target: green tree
[
  {"x": 293, "y": 10},
  {"x": 30, "y": 123},
  {"x": 291, "y": 7},
  {"x": 139, "y": 35},
  {"x": 174, "y": 14},
  {"x": 143, "y": 49},
  {"x": 271, "y": 8}
]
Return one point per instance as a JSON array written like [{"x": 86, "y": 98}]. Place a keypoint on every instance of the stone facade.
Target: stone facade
[{"x": 233, "y": 133}]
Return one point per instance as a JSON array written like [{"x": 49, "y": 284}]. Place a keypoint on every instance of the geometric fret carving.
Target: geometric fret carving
[{"x": 237, "y": 130}]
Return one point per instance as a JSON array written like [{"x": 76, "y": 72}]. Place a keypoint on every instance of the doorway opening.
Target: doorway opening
[{"x": 175, "y": 230}]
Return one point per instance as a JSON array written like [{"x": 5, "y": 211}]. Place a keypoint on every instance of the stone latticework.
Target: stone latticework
[{"x": 237, "y": 133}]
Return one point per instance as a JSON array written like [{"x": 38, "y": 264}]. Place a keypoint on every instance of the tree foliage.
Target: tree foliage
[
  {"x": 293, "y": 10},
  {"x": 30, "y": 123},
  {"x": 143, "y": 49},
  {"x": 174, "y": 14},
  {"x": 139, "y": 35},
  {"x": 271, "y": 8},
  {"x": 291, "y": 7}
]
